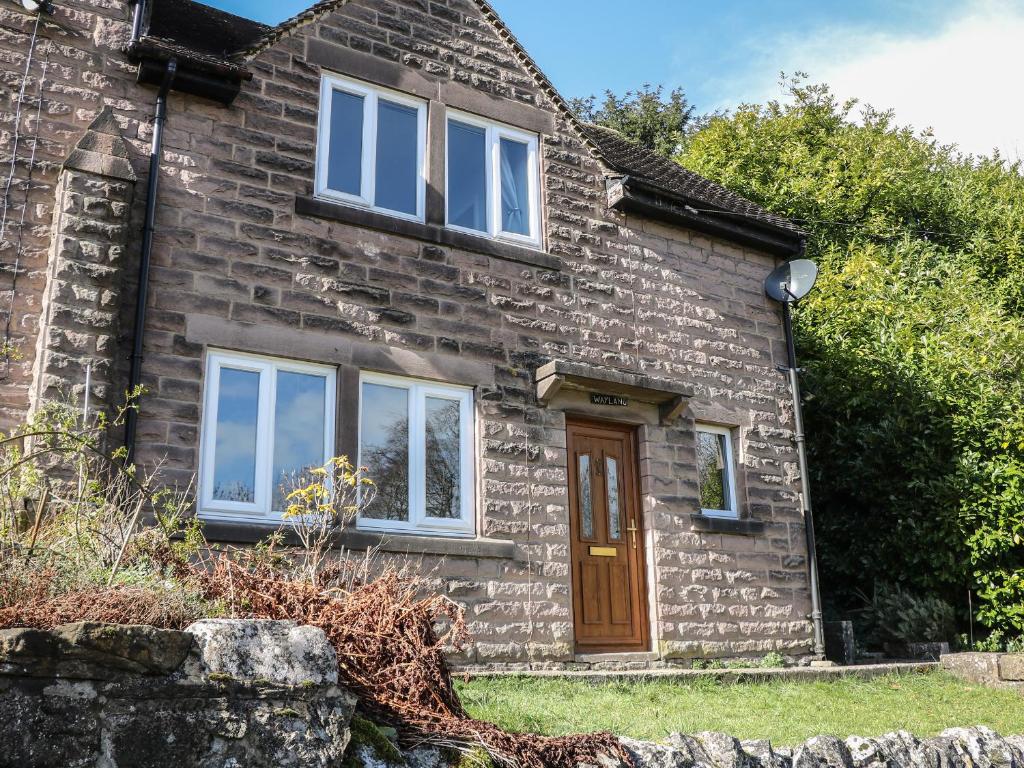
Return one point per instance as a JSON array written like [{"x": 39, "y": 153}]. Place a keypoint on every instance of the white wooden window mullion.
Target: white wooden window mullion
[
  {"x": 265, "y": 438},
  {"x": 417, "y": 457},
  {"x": 369, "y": 159}
]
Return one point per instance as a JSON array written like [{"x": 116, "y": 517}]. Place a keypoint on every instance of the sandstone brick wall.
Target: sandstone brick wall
[{"x": 236, "y": 266}]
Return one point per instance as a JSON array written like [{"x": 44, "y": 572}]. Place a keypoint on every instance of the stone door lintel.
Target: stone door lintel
[{"x": 670, "y": 396}]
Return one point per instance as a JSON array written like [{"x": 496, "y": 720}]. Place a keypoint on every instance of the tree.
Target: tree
[
  {"x": 643, "y": 115},
  {"x": 913, "y": 343}
]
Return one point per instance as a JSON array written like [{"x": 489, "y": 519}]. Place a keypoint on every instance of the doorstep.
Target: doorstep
[{"x": 616, "y": 661}]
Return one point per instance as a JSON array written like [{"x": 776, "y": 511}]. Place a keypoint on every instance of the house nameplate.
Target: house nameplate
[{"x": 599, "y": 399}]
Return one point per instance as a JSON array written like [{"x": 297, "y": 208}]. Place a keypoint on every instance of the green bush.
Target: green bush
[
  {"x": 897, "y": 616},
  {"x": 913, "y": 344},
  {"x": 996, "y": 642}
]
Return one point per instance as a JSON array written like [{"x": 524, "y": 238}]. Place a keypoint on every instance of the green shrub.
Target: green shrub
[
  {"x": 895, "y": 615},
  {"x": 995, "y": 642},
  {"x": 913, "y": 344}
]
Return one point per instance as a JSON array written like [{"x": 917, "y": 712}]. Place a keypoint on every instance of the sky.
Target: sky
[{"x": 953, "y": 67}]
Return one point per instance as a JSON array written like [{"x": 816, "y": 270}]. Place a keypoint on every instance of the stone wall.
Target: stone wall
[
  {"x": 261, "y": 694},
  {"x": 242, "y": 260},
  {"x": 221, "y": 693},
  {"x": 1001, "y": 670},
  {"x": 953, "y": 748}
]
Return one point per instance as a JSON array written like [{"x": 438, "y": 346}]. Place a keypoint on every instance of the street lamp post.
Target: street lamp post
[{"x": 787, "y": 284}]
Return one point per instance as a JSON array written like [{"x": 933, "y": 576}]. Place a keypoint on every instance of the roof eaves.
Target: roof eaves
[{"x": 641, "y": 196}]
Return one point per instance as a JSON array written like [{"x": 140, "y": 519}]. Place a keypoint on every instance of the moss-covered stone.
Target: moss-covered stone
[
  {"x": 366, "y": 733},
  {"x": 475, "y": 758}
]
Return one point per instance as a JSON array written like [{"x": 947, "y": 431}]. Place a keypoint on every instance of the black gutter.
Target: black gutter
[
  {"x": 148, "y": 227},
  {"x": 631, "y": 194}
]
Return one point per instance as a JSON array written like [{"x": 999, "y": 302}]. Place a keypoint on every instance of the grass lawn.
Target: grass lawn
[{"x": 785, "y": 712}]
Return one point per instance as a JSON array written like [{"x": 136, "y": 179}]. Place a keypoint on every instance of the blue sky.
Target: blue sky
[{"x": 949, "y": 65}]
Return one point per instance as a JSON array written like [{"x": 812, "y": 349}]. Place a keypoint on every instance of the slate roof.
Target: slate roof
[
  {"x": 203, "y": 30},
  {"x": 650, "y": 168}
]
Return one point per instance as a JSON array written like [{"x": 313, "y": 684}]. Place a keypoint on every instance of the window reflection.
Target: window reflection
[
  {"x": 586, "y": 501},
  {"x": 344, "y": 161},
  {"x": 467, "y": 176},
  {"x": 443, "y": 454},
  {"x": 612, "y": 479},
  {"x": 515, "y": 187},
  {"x": 234, "y": 477},
  {"x": 397, "y": 148},
  {"x": 384, "y": 449},
  {"x": 298, "y": 429},
  {"x": 713, "y": 471}
]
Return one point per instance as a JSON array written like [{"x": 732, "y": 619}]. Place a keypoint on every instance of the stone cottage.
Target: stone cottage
[{"x": 377, "y": 230}]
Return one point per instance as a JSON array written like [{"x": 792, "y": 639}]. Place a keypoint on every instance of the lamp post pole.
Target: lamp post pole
[{"x": 805, "y": 486}]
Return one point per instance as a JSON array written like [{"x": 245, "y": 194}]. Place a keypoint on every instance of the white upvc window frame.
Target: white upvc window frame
[
  {"x": 330, "y": 82},
  {"x": 730, "y": 457},
  {"x": 495, "y": 132},
  {"x": 419, "y": 522},
  {"x": 259, "y": 510}
]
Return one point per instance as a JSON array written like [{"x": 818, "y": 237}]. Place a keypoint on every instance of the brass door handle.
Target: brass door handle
[{"x": 633, "y": 529}]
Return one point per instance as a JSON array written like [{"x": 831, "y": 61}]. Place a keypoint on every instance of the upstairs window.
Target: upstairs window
[
  {"x": 416, "y": 441},
  {"x": 716, "y": 473},
  {"x": 492, "y": 180},
  {"x": 265, "y": 421},
  {"x": 371, "y": 147}
]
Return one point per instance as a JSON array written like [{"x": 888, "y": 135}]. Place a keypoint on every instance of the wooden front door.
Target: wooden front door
[{"x": 607, "y": 542}]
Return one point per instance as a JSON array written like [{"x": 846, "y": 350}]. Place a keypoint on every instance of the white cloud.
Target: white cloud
[{"x": 962, "y": 80}]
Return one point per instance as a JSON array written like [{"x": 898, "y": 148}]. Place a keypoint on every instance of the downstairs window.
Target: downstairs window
[
  {"x": 416, "y": 441},
  {"x": 265, "y": 420},
  {"x": 716, "y": 473}
]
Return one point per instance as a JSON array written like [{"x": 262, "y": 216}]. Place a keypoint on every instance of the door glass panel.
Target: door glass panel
[
  {"x": 397, "y": 144},
  {"x": 515, "y": 187},
  {"x": 713, "y": 471},
  {"x": 234, "y": 458},
  {"x": 467, "y": 176},
  {"x": 384, "y": 449},
  {"x": 612, "y": 480},
  {"x": 298, "y": 429},
  {"x": 443, "y": 458},
  {"x": 586, "y": 502},
  {"x": 345, "y": 158}
]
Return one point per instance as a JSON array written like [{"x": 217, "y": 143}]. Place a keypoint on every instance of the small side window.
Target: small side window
[
  {"x": 716, "y": 471},
  {"x": 492, "y": 180}
]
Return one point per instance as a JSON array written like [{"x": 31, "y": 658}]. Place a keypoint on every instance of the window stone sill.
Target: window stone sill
[
  {"x": 430, "y": 233},
  {"x": 740, "y": 527},
  {"x": 222, "y": 532}
]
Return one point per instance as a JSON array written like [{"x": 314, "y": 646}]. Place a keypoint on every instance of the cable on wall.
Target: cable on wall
[{"x": 9, "y": 319}]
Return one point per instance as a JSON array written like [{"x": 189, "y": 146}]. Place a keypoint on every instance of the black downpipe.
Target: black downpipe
[
  {"x": 137, "y": 13},
  {"x": 135, "y": 373}
]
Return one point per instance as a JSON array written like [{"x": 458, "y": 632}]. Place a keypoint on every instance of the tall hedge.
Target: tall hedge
[{"x": 913, "y": 344}]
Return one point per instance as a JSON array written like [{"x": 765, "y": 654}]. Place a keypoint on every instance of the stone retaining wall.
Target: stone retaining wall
[
  {"x": 256, "y": 694},
  {"x": 1001, "y": 670},
  {"x": 223, "y": 693},
  {"x": 954, "y": 748}
]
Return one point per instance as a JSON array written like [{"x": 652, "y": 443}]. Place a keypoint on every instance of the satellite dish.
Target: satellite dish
[{"x": 791, "y": 281}]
